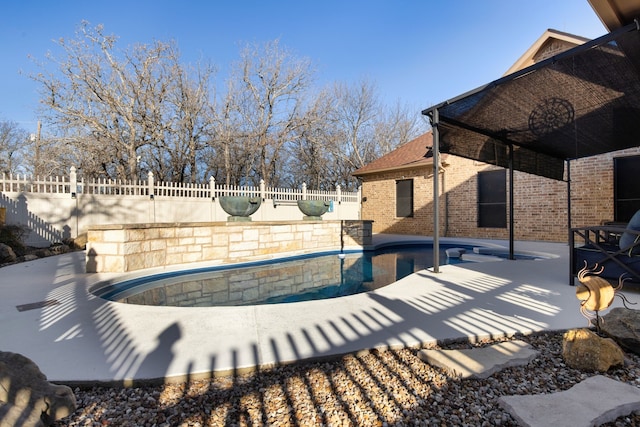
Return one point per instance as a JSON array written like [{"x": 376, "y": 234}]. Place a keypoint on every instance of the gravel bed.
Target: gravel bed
[{"x": 378, "y": 388}]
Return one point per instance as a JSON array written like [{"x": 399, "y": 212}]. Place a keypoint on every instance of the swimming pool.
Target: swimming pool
[{"x": 300, "y": 278}]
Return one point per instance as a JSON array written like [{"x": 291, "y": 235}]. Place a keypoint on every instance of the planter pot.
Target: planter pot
[
  {"x": 240, "y": 208},
  {"x": 313, "y": 209}
]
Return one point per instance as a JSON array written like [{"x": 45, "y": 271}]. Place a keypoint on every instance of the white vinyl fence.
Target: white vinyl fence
[{"x": 57, "y": 208}]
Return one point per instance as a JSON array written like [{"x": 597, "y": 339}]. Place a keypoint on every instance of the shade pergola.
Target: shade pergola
[{"x": 580, "y": 103}]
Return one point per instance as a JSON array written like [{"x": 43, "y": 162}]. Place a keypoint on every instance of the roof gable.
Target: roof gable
[{"x": 550, "y": 43}]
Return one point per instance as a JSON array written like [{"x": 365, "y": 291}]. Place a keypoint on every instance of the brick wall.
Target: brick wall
[
  {"x": 540, "y": 204},
  {"x": 380, "y": 204}
]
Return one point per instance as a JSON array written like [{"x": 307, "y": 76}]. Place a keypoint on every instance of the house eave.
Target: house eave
[{"x": 428, "y": 166}]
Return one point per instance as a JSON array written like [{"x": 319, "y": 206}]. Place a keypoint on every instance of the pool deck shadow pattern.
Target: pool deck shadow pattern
[{"x": 76, "y": 338}]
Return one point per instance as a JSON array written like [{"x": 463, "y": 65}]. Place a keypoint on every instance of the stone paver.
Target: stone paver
[
  {"x": 480, "y": 362},
  {"x": 592, "y": 402}
]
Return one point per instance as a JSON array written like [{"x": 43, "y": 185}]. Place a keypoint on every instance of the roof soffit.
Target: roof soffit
[{"x": 616, "y": 14}]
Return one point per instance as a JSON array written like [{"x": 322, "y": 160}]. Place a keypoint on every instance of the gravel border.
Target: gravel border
[{"x": 376, "y": 388}]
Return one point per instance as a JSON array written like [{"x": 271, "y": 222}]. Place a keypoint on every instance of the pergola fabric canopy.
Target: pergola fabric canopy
[{"x": 583, "y": 102}]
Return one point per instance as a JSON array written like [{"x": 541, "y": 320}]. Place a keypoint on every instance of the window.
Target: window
[
  {"x": 404, "y": 198},
  {"x": 626, "y": 200},
  {"x": 492, "y": 199}
]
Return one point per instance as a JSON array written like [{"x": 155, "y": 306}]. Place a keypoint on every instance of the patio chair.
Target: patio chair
[{"x": 614, "y": 247}]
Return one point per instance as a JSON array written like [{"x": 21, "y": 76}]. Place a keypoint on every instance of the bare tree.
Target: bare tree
[
  {"x": 270, "y": 86},
  {"x": 54, "y": 155},
  {"x": 120, "y": 113},
  {"x": 229, "y": 157},
  {"x": 357, "y": 108},
  {"x": 181, "y": 129},
  {"x": 348, "y": 127},
  {"x": 13, "y": 141},
  {"x": 397, "y": 125},
  {"x": 124, "y": 107},
  {"x": 310, "y": 154}
]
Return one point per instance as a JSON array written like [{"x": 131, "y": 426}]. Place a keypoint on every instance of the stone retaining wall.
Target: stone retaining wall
[{"x": 131, "y": 247}]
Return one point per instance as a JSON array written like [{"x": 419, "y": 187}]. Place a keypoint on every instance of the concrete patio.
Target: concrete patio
[{"x": 48, "y": 315}]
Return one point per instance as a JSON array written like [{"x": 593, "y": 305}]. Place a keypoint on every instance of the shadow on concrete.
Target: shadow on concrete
[{"x": 476, "y": 306}]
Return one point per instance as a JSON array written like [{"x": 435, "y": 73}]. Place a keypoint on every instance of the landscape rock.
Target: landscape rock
[
  {"x": 585, "y": 350},
  {"x": 43, "y": 253},
  {"x": 7, "y": 254},
  {"x": 27, "y": 398},
  {"x": 59, "y": 249},
  {"x": 623, "y": 325},
  {"x": 77, "y": 243}
]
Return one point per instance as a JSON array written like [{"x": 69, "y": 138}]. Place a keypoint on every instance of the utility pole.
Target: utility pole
[{"x": 37, "y": 162}]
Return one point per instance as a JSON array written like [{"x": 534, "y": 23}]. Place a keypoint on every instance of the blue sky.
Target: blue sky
[{"x": 418, "y": 52}]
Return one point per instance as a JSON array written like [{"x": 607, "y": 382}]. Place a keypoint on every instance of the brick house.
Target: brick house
[{"x": 397, "y": 188}]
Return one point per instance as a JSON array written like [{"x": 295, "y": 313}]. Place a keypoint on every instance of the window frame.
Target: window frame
[
  {"x": 621, "y": 214},
  {"x": 404, "y": 203},
  {"x": 494, "y": 202}
]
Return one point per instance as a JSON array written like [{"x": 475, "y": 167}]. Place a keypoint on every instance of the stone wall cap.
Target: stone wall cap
[{"x": 102, "y": 227}]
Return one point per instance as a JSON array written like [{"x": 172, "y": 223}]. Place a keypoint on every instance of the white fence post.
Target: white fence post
[
  {"x": 212, "y": 188},
  {"x": 263, "y": 192},
  {"x": 73, "y": 182},
  {"x": 339, "y": 193},
  {"x": 150, "y": 184},
  {"x": 304, "y": 191}
]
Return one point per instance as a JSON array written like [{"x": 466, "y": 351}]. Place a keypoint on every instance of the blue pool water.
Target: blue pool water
[{"x": 301, "y": 278}]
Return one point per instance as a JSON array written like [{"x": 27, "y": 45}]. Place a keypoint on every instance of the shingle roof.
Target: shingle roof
[{"x": 414, "y": 153}]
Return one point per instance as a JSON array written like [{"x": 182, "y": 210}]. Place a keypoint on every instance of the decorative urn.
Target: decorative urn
[
  {"x": 240, "y": 208},
  {"x": 313, "y": 209}
]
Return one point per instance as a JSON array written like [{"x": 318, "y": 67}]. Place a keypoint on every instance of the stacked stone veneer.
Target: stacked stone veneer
[{"x": 125, "y": 248}]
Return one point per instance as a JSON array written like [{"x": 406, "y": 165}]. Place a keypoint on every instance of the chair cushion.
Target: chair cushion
[{"x": 628, "y": 239}]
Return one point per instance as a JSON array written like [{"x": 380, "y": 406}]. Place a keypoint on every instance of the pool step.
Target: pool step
[
  {"x": 475, "y": 256},
  {"x": 480, "y": 258}
]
